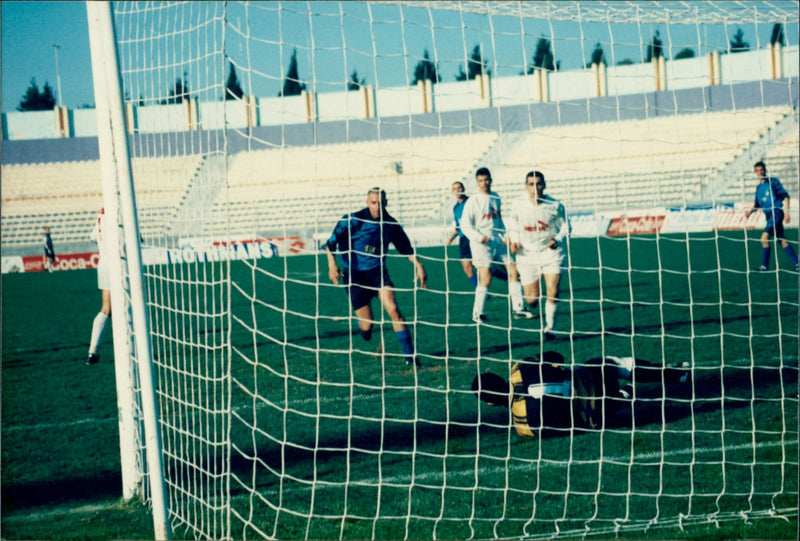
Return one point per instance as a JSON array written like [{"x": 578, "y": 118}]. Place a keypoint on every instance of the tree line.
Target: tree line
[{"x": 425, "y": 69}]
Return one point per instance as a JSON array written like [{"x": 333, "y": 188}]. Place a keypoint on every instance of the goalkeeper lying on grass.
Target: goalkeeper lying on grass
[{"x": 549, "y": 394}]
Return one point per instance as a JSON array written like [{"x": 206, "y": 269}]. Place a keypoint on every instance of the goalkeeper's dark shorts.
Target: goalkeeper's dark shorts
[
  {"x": 774, "y": 227},
  {"x": 363, "y": 286}
]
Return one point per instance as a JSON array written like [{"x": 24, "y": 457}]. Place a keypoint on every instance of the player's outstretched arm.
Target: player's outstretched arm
[
  {"x": 333, "y": 268},
  {"x": 421, "y": 275},
  {"x": 786, "y": 210}
]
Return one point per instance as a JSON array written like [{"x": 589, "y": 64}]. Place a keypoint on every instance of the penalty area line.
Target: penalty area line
[
  {"x": 52, "y": 514},
  {"x": 53, "y": 426}
]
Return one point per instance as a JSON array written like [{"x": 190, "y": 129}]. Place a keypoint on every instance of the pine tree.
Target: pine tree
[
  {"x": 598, "y": 56},
  {"x": 738, "y": 44},
  {"x": 233, "y": 89},
  {"x": 425, "y": 70},
  {"x": 34, "y": 100},
  {"x": 47, "y": 98},
  {"x": 777, "y": 34},
  {"x": 655, "y": 48},
  {"x": 354, "y": 83},
  {"x": 476, "y": 65},
  {"x": 292, "y": 85},
  {"x": 543, "y": 57},
  {"x": 179, "y": 92}
]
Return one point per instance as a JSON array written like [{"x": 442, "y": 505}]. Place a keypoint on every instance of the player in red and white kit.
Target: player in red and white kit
[
  {"x": 482, "y": 223},
  {"x": 537, "y": 230},
  {"x": 103, "y": 284}
]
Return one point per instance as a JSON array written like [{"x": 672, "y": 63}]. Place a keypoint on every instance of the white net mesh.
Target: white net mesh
[{"x": 279, "y": 420}]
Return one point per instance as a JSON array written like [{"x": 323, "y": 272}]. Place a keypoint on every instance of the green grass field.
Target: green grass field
[{"x": 346, "y": 441}]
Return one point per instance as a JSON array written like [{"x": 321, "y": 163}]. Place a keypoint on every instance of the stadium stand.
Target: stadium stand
[
  {"x": 318, "y": 186},
  {"x": 659, "y": 161},
  {"x": 64, "y": 195},
  {"x": 782, "y": 162},
  {"x": 67, "y": 196},
  {"x": 656, "y": 161}
]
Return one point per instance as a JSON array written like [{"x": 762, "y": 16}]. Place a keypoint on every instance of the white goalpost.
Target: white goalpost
[
  {"x": 134, "y": 372},
  {"x": 234, "y": 136}
]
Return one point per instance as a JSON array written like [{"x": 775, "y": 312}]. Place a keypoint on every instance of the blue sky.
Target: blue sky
[
  {"x": 332, "y": 40},
  {"x": 29, "y": 30}
]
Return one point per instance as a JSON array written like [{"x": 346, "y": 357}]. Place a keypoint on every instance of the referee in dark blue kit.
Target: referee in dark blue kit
[{"x": 362, "y": 239}]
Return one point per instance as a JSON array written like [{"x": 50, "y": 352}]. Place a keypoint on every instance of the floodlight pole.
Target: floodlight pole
[
  {"x": 112, "y": 138},
  {"x": 58, "y": 76}
]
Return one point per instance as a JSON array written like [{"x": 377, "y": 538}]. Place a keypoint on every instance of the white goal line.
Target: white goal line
[
  {"x": 94, "y": 508},
  {"x": 511, "y": 465}
]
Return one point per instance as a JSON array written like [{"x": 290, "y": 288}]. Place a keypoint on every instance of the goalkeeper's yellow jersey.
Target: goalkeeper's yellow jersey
[
  {"x": 539, "y": 390},
  {"x": 554, "y": 396}
]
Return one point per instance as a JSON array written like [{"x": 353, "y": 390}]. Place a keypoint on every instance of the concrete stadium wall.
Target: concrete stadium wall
[
  {"x": 773, "y": 92},
  {"x": 622, "y": 82}
]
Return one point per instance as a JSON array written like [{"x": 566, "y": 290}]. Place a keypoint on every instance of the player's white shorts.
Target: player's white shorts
[
  {"x": 494, "y": 251},
  {"x": 532, "y": 267},
  {"x": 103, "y": 281}
]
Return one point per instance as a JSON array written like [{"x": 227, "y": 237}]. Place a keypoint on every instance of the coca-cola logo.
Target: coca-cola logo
[{"x": 64, "y": 262}]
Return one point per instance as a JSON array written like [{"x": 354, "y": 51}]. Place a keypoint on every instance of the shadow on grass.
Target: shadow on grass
[
  {"x": 711, "y": 390},
  {"x": 72, "y": 490}
]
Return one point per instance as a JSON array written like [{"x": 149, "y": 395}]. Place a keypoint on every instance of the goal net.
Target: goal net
[{"x": 254, "y": 127}]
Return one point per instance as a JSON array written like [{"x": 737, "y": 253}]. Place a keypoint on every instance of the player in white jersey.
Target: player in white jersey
[
  {"x": 103, "y": 284},
  {"x": 537, "y": 230},
  {"x": 482, "y": 223}
]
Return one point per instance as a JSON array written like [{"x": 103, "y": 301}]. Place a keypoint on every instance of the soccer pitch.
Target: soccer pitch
[{"x": 350, "y": 442}]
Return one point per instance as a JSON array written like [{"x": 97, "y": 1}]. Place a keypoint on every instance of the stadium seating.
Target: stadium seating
[
  {"x": 64, "y": 195},
  {"x": 782, "y": 162},
  {"x": 652, "y": 162},
  {"x": 68, "y": 195},
  {"x": 656, "y": 161},
  {"x": 319, "y": 186}
]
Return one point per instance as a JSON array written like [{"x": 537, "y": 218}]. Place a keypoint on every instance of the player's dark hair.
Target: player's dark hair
[
  {"x": 491, "y": 388},
  {"x": 762, "y": 164},
  {"x": 381, "y": 192},
  {"x": 459, "y": 183},
  {"x": 536, "y": 174},
  {"x": 483, "y": 171}
]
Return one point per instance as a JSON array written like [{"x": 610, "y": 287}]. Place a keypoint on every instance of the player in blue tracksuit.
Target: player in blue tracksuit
[
  {"x": 362, "y": 239},
  {"x": 771, "y": 197},
  {"x": 464, "y": 253}
]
